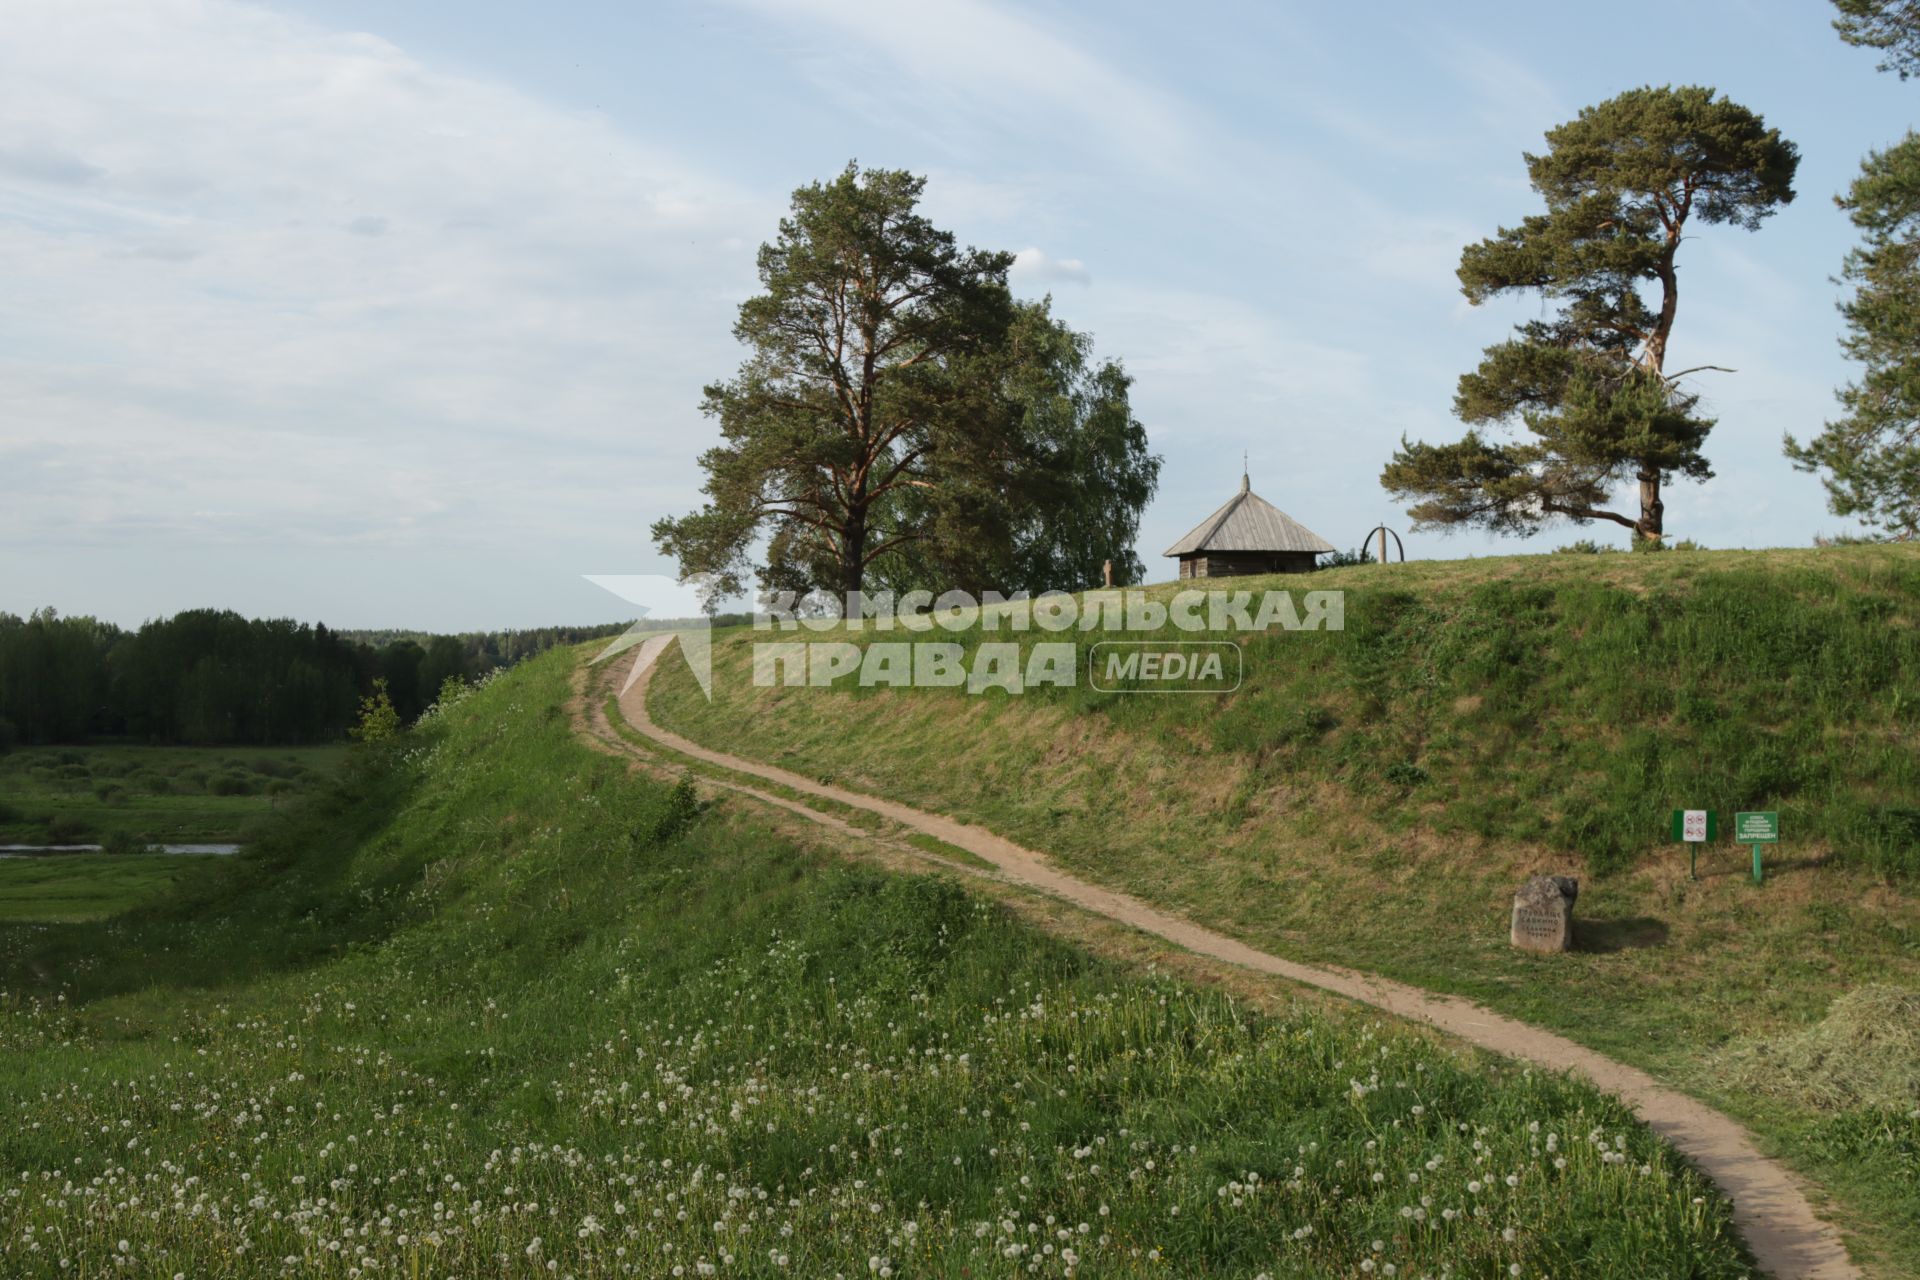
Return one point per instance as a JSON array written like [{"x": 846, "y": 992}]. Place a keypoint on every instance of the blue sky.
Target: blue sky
[{"x": 399, "y": 314}]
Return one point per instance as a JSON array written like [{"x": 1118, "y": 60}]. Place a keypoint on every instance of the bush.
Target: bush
[
  {"x": 379, "y": 720},
  {"x": 69, "y": 830},
  {"x": 1584, "y": 547},
  {"x": 232, "y": 783},
  {"x": 124, "y": 842},
  {"x": 681, "y": 808},
  {"x": 110, "y": 792}
]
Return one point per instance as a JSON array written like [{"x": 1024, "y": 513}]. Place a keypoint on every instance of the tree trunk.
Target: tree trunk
[
  {"x": 1652, "y": 510},
  {"x": 853, "y": 552}
]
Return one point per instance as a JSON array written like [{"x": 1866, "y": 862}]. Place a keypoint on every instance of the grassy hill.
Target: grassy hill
[
  {"x": 492, "y": 1005},
  {"x": 1372, "y": 796}
]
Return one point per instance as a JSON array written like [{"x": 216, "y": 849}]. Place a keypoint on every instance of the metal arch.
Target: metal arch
[{"x": 1381, "y": 528}]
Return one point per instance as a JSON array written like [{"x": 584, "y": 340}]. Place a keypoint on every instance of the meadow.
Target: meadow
[
  {"x": 189, "y": 795},
  {"x": 491, "y": 1004},
  {"x": 1371, "y": 797},
  {"x": 68, "y": 887}
]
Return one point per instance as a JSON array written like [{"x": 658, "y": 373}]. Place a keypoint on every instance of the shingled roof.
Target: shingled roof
[{"x": 1248, "y": 523}]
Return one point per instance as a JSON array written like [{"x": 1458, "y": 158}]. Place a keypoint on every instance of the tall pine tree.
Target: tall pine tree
[
  {"x": 1622, "y": 185},
  {"x": 1869, "y": 458}
]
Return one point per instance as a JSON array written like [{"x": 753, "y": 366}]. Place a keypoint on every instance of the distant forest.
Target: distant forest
[{"x": 212, "y": 677}]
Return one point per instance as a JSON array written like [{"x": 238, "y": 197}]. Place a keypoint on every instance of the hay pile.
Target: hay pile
[{"x": 1865, "y": 1052}]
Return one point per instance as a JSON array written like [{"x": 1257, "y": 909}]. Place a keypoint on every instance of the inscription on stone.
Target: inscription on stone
[{"x": 1543, "y": 914}]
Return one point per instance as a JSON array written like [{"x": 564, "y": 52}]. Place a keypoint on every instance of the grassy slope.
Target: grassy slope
[
  {"x": 1371, "y": 797},
  {"x": 497, "y": 1007},
  {"x": 161, "y": 794}
]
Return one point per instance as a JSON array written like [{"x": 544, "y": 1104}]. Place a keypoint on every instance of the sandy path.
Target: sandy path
[{"x": 1787, "y": 1238}]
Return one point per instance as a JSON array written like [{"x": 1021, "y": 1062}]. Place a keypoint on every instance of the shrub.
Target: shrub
[
  {"x": 110, "y": 792},
  {"x": 1584, "y": 547},
  {"x": 681, "y": 808},
  {"x": 124, "y": 842},
  {"x": 232, "y": 783},
  {"x": 379, "y": 720},
  {"x": 68, "y": 830}
]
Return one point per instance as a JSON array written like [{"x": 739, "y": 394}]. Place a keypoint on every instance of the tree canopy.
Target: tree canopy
[
  {"x": 901, "y": 419},
  {"x": 1870, "y": 456},
  {"x": 1589, "y": 383},
  {"x": 1889, "y": 25}
]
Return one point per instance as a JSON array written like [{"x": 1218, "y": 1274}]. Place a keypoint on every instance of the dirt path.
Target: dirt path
[{"x": 1787, "y": 1238}]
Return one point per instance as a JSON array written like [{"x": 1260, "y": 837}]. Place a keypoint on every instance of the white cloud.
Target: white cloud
[
  {"x": 1031, "y": 264},
  {"x": 973, "y": 62},
  {"x": 268, "y": 280}
]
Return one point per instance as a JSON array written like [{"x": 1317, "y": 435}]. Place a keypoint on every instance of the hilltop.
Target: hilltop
[{"x": 1370, "y": 797}]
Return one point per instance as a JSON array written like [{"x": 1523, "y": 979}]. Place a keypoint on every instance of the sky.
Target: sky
[{"x": 399, "y": 315}]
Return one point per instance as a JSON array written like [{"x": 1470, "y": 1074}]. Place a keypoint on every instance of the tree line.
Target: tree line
[{"x": 213, "y": 677}]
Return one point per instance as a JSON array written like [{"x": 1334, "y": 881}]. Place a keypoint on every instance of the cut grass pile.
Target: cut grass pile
[
  {"x": 82, "y": 795},
  {"x": 495, "y": 1006},
  {"x": 1864, "y": 1054}
]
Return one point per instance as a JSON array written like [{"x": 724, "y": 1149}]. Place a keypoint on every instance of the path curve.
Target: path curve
[{"x": 1788, "y": 1239}]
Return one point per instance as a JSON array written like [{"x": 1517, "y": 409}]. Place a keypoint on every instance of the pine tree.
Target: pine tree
[{"x": 1622, "y": 185}]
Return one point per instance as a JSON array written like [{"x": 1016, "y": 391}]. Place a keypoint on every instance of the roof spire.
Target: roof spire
[{"x": 1246, "y": 484}]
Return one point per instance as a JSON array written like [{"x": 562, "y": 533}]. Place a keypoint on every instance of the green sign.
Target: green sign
[{"x": 1756, "y": 828}]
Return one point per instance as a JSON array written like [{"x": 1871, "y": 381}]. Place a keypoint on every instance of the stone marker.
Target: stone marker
[{"x": 1543, "y": 913}]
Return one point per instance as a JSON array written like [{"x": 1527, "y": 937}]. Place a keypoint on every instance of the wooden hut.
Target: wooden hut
[{"x": 1248, "y": 535}]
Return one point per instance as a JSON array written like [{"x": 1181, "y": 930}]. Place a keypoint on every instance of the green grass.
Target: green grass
[
  {"x": 494, "y": 1005},
  {"x": 68, "y": 887},
  {"x": 78, "y": 795},
  {"x": 1371, "y": 797}
]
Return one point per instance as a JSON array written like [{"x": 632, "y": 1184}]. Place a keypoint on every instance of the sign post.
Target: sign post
[
  {"x": 1756, "y": 829},
  {"x": 1696, "y": 827}
]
